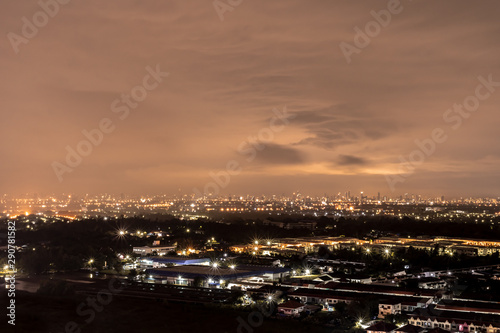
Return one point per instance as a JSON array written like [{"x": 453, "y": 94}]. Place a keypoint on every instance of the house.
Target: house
[
  {"x": 158, "y": 250},
  {"x": 410, "y": 304},
  {"x": 326, "y": 278},
  {"x": 363, "y": 279},
  {"x": 469, "y": 306},
  {"x": 381, "y": 327},
  {"x": 457, "y": 321},
  {"x": 408, "y": 329},
  {"x": 323, "y": 297},
  {"x": 278, "y": 224},
  {"x": 430, "y": 283},
  {"x": 301, "y": 224},
  {"x": 377, "y": 289},
  {"x": 397, "y": 305},
  {"x": 310, "y": 309},
  {"x": 389, "y": 307},
  {"x": 438, "y": 330},
  {"x": 291, "y": 308}
]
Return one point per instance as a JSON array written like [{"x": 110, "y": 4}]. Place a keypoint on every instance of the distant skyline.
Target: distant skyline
[{"x": 430, "y": 72}]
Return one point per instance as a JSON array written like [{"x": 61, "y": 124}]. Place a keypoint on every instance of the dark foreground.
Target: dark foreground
[{"x": 40, "y": 313}]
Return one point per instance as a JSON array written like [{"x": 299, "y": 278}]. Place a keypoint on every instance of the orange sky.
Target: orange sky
[{"x": 350, "y": 122}]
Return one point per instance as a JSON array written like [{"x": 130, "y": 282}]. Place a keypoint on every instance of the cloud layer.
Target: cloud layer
[{"x": 352, "y": 121}]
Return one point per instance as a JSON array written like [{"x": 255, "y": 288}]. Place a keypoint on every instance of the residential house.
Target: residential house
[{"x": 291, "y": 308}]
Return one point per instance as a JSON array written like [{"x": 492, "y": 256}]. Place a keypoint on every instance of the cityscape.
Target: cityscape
[
  {"x": 332, "y": 263},
  {"x": 237, "y": 166}
]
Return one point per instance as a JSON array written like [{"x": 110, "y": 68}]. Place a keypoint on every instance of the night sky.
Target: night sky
[{"x": 352, "y": 115}]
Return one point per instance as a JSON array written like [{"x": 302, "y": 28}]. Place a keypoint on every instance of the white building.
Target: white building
[{"x": 160, "y": 250}]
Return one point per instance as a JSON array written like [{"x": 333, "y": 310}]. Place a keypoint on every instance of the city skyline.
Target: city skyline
[
  {"x": 250, "y": 166},
  {"x": 263, "y": 98}
]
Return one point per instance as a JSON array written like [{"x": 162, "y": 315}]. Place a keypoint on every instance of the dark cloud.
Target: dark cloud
[
  {"x": 348, "y": 160},
  {"x": 336, "y": 126},
  {"x": 276, "y": 154}
]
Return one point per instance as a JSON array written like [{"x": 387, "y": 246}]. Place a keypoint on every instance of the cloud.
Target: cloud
[
  {"x": 276, "y": 154},
  {"x": 341, "y": 125},
  {"x": 348, "y": 160},
  {"x": 225, "y": 79}
]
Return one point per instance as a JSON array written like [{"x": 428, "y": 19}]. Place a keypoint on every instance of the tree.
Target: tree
[
  {"x": 56, "y": 288},
  {"x": 341, "y": 307},
  {"x": 132, "y": 273},
  {"x": 397, "y": 319}
]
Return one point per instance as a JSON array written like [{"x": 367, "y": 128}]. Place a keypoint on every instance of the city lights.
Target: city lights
[{"x": 250, "y": 166}]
